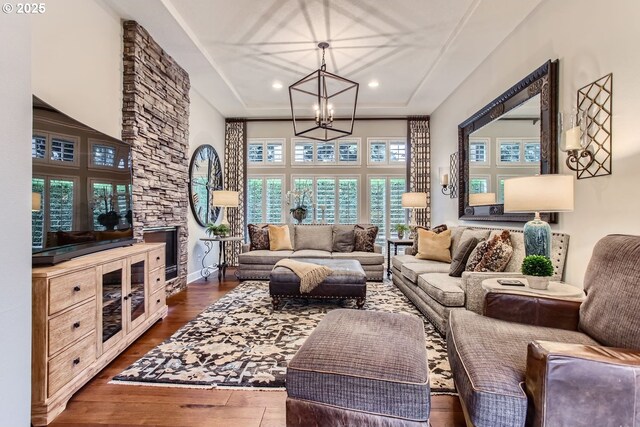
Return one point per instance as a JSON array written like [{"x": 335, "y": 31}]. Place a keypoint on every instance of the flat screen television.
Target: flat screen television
[{"x": 81, "y": 188}]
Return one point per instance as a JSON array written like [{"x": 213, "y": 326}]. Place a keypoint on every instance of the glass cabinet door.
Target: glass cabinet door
[
  {"x": 112, "y": 304},
  {"x": 136, "y": 296}
]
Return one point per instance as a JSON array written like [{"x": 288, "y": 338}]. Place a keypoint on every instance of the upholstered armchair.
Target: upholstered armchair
[{"x": 541, "y": 362}]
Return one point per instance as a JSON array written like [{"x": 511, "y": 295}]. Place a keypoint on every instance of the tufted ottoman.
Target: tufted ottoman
[
  {"x": 348, "y": 280},
  {"x": 360, "y": 368}
]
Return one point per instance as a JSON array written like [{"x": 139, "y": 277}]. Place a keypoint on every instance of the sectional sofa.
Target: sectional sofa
[
  {"x": 309, "y": 241},
  {"x": 435, "y": 293}
]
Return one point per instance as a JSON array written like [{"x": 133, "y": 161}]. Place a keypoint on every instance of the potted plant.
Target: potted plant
[
  {"x": 223, "y": 230},
  {"x": 300, "y": 200},
  {"x": 537, "y": 270},
  {"x": 400, "y": 229},
  {"x": 212, "y": 229}
]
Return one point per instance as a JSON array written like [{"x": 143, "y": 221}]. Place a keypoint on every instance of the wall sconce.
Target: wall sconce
[
  {"x": 586, "y": 131},
  {"x": 449, "y": 179}
]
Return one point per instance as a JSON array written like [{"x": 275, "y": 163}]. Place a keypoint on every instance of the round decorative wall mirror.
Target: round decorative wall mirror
[{"x": 205, "y": 176}]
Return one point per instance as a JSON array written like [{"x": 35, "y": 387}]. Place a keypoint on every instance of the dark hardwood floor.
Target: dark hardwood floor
[{"x": 101, "y": 403}]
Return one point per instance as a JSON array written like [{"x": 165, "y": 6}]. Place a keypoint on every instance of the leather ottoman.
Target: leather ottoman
[
  {"x": 349, "y": 372},
  {"x": 348, "y": 280}
]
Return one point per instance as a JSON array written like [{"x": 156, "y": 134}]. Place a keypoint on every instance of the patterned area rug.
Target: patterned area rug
[{"x": 240, "y": 342}]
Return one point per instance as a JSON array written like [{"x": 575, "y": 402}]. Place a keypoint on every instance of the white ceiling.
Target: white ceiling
[{"x": 418, "y": 50}]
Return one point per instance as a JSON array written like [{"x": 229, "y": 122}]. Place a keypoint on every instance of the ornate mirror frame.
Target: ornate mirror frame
[{"x": 543, "y": 81}]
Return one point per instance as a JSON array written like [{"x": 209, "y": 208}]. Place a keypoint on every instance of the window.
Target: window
[
  {"x": 343, "y": 152},
  {"x": 349, "y": 151},
  {"x": 54, "y": 149},
  {"x": 265, "y": 199},
  {"x": 518, "y": 152},
  {"x": 337, "y": 196},
  {"x": 385, "y": 207},
  {"x": 267, "y": 151},
  {"x": 56, "y": 210},
  {"x": 479, "y": 184},
  {"x": 103, "y": 155},
  {"x": 387, "y": 151},
  {"x": 107, "y": 197},
  {"x": 478, "y": 151},
  {"x": 500, "y": 179},
  {"x": 532, "y": 152}
]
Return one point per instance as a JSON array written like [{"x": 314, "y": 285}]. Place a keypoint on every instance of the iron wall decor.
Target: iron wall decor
[
  {"x": 595, "y": 104},
  {"x": 450, "y": 188},
  {"x": 318, "y": 99}
]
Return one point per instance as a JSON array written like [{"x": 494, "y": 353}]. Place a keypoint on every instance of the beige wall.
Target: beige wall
[
  {"x": 206, "y": 126},
  {"x": 77, "y": 62},
  {"x": 363, "y": 129},
  {"x": 590, "y": 39},
  {"x": 15, "y": 252}
]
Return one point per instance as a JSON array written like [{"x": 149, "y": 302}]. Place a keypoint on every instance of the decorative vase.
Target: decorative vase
[
  {"x": 538, "y": 282},
  {"x": 401, "y": 234},
  {"x": 299, "y": 214}
]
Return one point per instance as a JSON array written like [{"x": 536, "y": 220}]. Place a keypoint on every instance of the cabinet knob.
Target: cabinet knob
[
  {"x": 157, "y": 258},
  {"x": 158, "y": 279},
  {"x": 76, "y": 361},
  {"x": 76, "y": 288},
  {"x": 76, "y": 325},
  {"x": 158, "y": 301},
  {"x": 125, "y": 297},
  {"x": 130, "y": 295}
]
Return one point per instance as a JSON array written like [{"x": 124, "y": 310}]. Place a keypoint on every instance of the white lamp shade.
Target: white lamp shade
[
  {"x": 36, "y": 201},
  {"x": 480, "y": 199},
  {"x": 225, "y": 198},
  {"x": 414, "y": 200},
  {"x": 540, "y": 193}
]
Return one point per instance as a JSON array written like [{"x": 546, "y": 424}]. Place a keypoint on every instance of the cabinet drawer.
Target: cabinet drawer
[
  {"x": 67, "y": 327},
  {"x": 156, "y": 280},
  {"x": 157, "y": 301},
  {"x": 156, "y": 258},
  {"x": 68, "y": 364},
  {"x": 67, "y": 290}
]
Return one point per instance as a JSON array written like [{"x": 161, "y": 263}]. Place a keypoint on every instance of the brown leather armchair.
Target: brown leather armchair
[{"x": 556, "y": 362}]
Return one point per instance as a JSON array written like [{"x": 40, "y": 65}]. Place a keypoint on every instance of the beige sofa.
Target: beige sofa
[
  {"x": 308, "y": 241},
  {"x": 428, "y": 284}
]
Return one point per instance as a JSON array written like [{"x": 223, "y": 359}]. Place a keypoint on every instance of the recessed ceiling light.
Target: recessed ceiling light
[
  {"x": 276, "y": 85},
  {"x": 374, "y": 83}
]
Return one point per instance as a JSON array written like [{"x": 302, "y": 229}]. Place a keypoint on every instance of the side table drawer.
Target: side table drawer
[
  {"x": 68, "y": 364},
  {"x": 70, "y": 289},
  {"x": 156, "y": 280},
  {"x": 67, "y": 327},
  {"x": 157, "y": 301}
]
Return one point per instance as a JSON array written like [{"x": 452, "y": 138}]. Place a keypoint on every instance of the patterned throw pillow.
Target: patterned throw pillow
[
  {"x": 437, "y": 229},
  {"x": 258, "y": 237},
  {"x": 364, "y": 238},
  {"x": 491, "y": 255}
]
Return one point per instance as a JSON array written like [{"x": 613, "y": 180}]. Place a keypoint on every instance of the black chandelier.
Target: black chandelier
[{"x": 317, "y": 100}]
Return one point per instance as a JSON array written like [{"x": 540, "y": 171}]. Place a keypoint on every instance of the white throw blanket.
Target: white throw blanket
[{"x": 311, "y": 275}]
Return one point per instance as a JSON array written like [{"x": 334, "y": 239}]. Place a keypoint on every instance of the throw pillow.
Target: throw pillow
[
  {"x": 364, "y": 238},
  {"x": 462, "y": 254},
  {"x": 434, "y": 246},
  {"x": 313, "y": 237},
  {"x": 437, "y": 229},
  {"x": 343, "y": 238},
  {"x": 258, "y": 237},
  {"x": 279, "y": 238},
  {"x": 491, "y": 255}
]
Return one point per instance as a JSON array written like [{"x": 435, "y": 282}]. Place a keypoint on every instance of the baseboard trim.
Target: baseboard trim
[{"x": 197, "y": 275}]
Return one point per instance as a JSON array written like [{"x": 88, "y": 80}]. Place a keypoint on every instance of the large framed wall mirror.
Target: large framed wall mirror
[{"x": 514, "y": 135}]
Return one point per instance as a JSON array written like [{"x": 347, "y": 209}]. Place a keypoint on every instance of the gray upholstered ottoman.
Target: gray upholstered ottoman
[
  {"x": 360, "y": 368},
  {"x": 348, "y": 280}
]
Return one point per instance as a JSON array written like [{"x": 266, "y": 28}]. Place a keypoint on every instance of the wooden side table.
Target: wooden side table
[
  {"x": 557, "y": 290},
  {"x": 395, "y": 242},
  {"x": 222, "y": 258}
]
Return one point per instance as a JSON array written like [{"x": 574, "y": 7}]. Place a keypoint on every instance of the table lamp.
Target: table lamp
[
  {"x": 414, "y": 201},
  {"x": 225, "y": 199},
  {"x": 539, "y": 193},
  {"x": 482, "y": 199}
]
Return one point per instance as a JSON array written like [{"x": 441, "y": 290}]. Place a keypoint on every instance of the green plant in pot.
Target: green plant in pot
[
  {"x": 537, "y": 270},
  {"x": 211, "y": 229},
  {"x": 401, "y": 229},
  {"x": 223, "y": 230}
]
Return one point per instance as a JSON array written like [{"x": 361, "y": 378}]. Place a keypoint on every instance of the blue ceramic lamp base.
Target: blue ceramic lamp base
[{"x": 537, "y": 237}]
